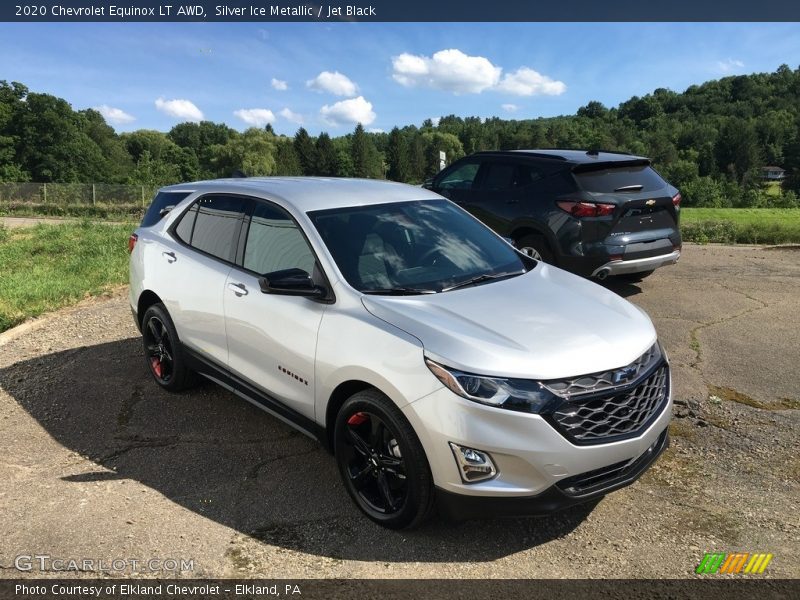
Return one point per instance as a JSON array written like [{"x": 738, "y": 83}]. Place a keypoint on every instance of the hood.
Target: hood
[{"x": 545, "y": 324}]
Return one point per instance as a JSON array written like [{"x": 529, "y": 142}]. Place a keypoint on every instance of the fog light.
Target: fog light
[{"x": 473, "y": 465}]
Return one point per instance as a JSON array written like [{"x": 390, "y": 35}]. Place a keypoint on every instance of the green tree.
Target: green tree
[
  {"x": 286, "y": 162},
  {"x": 397, "y": 156},
  {"x": 306, "y": 152},
  {"x": 366, "y": 160},
  {"x": 325, "y": 156},
  {"x": 252, "y": 152}
]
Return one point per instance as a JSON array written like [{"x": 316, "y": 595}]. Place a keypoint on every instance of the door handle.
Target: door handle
[
  {"x": 171, "y": 258},
  {"x": 238, "y": 288}
]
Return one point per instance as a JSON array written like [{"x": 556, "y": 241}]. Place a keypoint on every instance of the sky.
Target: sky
[{"x": 328, "y": 77}]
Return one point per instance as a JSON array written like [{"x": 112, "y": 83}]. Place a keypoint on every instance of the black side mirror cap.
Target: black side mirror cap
[
  {"x": 428, "y": 184},
  {"x": 291, "y": 282}
]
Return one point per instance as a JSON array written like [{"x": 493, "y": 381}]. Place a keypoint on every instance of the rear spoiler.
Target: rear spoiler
[{"x": 610, "y": 164}]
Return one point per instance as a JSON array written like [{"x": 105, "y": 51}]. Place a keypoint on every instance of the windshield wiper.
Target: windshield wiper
[
  {"x": 630, "y": 188},
  {"x": 482, "y": 278},
  {"x": 398, "y": 291}
]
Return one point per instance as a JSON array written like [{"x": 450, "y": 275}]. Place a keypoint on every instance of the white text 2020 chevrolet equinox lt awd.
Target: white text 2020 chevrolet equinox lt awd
[{"x": 438, "y": 364}]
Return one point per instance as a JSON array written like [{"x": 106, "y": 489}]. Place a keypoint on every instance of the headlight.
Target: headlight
[{"x": 513, "y": 394}]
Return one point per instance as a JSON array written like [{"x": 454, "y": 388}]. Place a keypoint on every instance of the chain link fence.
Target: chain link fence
[{"x": 75, "y": 199}]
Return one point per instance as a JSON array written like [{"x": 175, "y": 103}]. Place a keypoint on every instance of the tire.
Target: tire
[
  {"x": 635, "y": 276},
  {"x": 536, "y": 247},
  {"x": 381, "y": 461},
  {"x": 163, "y": 352}
]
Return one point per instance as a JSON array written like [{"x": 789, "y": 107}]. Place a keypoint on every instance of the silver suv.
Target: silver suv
[{"x": 440, "y": 366}]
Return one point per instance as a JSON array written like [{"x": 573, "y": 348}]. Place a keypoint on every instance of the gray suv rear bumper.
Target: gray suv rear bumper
[{"x": 637, "y": 265}]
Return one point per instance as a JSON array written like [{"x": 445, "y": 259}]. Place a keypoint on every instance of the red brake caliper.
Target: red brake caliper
[
  {"x": 355, "y": 419},
  {"x": 156, "y": 364}
]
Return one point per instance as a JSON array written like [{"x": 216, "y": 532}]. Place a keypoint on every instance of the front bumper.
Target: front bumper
[
  {"x": 530, "y": 455},
  {"x": 637, "y": 265},
  {"x": 568, "y": 492}
]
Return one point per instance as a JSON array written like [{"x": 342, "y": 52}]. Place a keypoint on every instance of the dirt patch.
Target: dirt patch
[{"x": 732, "y": 395}]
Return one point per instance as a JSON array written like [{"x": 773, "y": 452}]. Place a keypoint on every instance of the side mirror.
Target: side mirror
[
  {"x": 428, "y": 184},
  {"x": 291, "y": 282}
]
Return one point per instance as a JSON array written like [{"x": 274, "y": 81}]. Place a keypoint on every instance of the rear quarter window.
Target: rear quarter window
[
  {"x": 159, "y": 203},
  {"x": 616, "y": 179}
]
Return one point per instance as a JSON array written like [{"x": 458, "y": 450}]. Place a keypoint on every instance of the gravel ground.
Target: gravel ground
[{"x": 97, "y": 462}]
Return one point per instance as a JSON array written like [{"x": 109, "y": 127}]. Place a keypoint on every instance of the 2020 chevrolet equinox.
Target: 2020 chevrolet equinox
[{"x": 441, "y": 366}]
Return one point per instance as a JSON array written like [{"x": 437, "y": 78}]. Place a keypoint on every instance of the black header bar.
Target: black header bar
[{"x": 398, "y": 11}]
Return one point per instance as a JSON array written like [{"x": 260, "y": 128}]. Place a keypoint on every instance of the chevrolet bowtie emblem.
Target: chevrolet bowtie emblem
[{"x": 650, "y": 202}]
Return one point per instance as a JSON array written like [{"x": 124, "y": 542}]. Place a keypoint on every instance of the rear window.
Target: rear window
[
  {"x": 216, "y": 224},
  {"x": 160, "y": 202},
  {"x": 620, "y": 179}
]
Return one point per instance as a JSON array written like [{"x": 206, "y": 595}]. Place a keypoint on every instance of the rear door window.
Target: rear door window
[
  {"x": 183, "y": 230},
  {"x": 637, "y": 178},
  {"x": 162, "y": 202},
  {"x": 498, "y": 176},
  {"x": 217, "y": 224}
]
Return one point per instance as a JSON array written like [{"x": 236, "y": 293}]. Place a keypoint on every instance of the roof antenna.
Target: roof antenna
[{"x": 238, "y": 174}]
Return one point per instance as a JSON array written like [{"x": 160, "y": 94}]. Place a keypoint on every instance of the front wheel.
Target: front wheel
[
  {"x": 382, "y": 462},
  {"x": 163, "y": 352}
]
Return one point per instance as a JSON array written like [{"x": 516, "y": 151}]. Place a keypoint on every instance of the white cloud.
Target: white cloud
[
  {"x": 527, "y": 82},
  {"x": 257, "y": 117},
  {"x": 448, "y": 70},
  {"x": 510, "y": 107},
  {"x": 435, "y": 121},
  {"x": 348, "y": 112},
  {"x": 376, "y": 130},
  {"x": 333, "y": 83},
  {"x": 291, "y": 116},
  {"x": 729, "y": 65},
  {"x": 279, "y": 85},
  {"x": 453, "y": 71},
  {"x": 180, "y": 109},
  {"x": 114, "y": 115}
]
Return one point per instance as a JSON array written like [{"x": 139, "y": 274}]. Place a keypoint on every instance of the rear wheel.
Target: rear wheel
[
  {"x": 163, "y": 352},
  {"x": 536, "y": 247},
  {"x": 381, "y": 461}
]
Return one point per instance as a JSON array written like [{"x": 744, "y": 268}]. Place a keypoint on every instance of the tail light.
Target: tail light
[
  {"x": 586, "y": 209},
  {"x": 676, "y": 200},
  {"x": 132, "y": 242}
]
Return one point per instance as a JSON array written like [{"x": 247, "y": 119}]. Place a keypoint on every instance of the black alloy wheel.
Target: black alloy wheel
[
  {"x": 159, "y": 349},
  {"x": 163, "y": 351},
  {"x": 381, "y": 461},
  {"x": 375, "y": 463}
]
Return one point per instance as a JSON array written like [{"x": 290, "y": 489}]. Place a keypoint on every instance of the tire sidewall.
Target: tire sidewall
[{"x": 539, "y": 243}]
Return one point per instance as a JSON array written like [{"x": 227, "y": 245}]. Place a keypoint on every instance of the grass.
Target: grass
[
  {"x": 101, "y": 210},
  {"x": 50, "y": 266},
  {"x": 741, "y": 225},
  {"x": 732, "y": 395}
]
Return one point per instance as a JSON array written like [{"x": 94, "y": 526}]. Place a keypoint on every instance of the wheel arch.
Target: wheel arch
[
  {"x": 146, "y": 299},
  {"x": 337, "y": 398}
]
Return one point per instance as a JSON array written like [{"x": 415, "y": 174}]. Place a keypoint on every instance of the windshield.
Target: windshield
[{"x": 414, "y": 247}]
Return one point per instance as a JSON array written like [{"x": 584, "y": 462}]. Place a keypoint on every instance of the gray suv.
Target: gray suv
[
  {"x": 592, "y": 213},
  {"x": 438, "y": 364}
]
